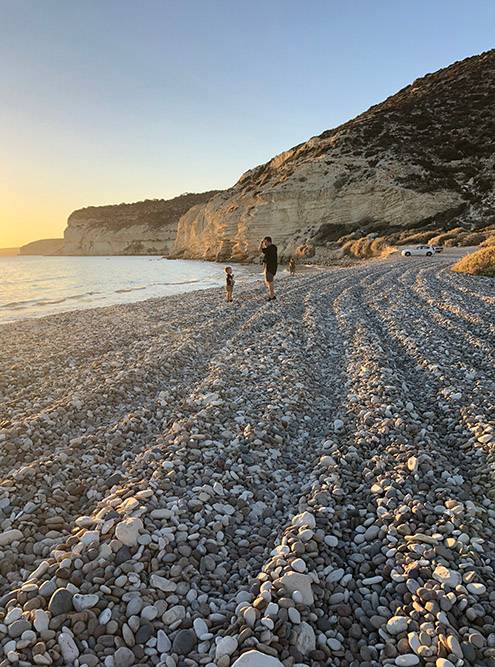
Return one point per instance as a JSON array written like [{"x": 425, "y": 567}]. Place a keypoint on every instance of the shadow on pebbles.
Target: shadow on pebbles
[{"x": 303, "y": 482}]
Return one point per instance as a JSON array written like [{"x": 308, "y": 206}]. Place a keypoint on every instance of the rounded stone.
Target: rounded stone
[{"x": 184, "y": 642}]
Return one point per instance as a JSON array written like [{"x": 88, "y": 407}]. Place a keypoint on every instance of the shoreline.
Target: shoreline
[
  {"x": 187, "y": 478},
  {"x": 182, "y": 287}
]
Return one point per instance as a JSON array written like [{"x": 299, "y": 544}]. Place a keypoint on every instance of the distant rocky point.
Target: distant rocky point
[
  {"x": 144, "y": 228},
  {"x": 8, "y": 252},
  {"x": 43, "y": 247}
]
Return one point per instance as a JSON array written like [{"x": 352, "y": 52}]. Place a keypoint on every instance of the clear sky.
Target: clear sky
[{"x": 105, "y": 101}]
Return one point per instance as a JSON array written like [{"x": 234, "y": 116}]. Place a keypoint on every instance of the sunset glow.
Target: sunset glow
[{"x": 118, "y": 101}]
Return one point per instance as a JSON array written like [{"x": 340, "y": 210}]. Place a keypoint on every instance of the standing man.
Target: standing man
[{"x": 270, "y": 260}]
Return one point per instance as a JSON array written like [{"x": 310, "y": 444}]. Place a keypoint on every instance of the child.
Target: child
[
  {"x": 229, "y": 285},
  {"x": 292, "y": 266}
]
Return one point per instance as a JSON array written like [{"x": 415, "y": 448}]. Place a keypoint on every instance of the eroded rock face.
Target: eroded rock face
[
  {"x": 422, "y": 153},
  {"x": 143, "y": 228}
]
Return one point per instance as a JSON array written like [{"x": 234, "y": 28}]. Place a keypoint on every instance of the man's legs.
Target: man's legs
[{"x": 269, "y": 284}]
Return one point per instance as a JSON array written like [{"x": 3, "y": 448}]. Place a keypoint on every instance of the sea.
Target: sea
[{"x": 33, "y": 286}]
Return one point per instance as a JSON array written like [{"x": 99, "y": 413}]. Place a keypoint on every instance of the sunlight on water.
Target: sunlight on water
[{"x": 37, "y": 286}]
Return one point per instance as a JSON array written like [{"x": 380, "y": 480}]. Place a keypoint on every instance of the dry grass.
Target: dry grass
[
  {"x": 490, "y": 241},
  {"x": 460, "y": 238},
  {"x": 414, "y": 239},
  {"x": 479, "y": 263},
  {"x": 441, "y": 239},
  {"x": 365, "y": 248}
]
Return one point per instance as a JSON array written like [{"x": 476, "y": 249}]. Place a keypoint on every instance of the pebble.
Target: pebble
[
  {"x": 396, "y": 625},
  {"x": 225, "y": 647},
  {"x": 123, "y": 657},
  {"x": 184, "y": 642},
  {"x": 406, "y": 660},
  {"x": 9, "y": 536},
  {"x": 68, "y": 648},
  {"x": 294, "y": 582},
  {"x": 82, "y": 602},
  {"x": 255, "y": 658},
  {"x": 169, "y": 504},
  {"x": 60, "y": 602}
]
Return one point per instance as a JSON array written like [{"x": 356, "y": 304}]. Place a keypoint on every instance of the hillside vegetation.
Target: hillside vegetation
[{"x": 479, "y": 263}]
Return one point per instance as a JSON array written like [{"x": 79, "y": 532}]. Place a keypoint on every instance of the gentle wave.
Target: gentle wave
[
  {"x": 129, "y": 289},
  {"x": 38, "y": 286},
  {"x": 29, "y": 303}
]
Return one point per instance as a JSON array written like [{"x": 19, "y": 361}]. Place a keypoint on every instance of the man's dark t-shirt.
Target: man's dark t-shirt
[{"x": 270, "y": 258}]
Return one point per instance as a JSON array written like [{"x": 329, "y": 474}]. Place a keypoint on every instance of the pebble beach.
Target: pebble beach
[{"x": 305, "y": 482}]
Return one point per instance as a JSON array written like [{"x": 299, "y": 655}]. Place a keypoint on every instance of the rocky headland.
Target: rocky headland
[
  {"x": 299, "y": 483},
  {"x": 412, "y": 168},
  {"x": 422, "y": 160},
  {"x": 143, "y": 228}
]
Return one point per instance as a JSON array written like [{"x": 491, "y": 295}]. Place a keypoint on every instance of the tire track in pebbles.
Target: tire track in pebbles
[{"x": 296, "y": 502}]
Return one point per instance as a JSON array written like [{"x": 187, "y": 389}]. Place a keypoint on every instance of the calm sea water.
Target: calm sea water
[{"x": 37, "y": 286}]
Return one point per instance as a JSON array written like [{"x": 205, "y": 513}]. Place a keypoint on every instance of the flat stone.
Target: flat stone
[
  {"x": 407, "y": 660},
  {"x": 305, "y": 519},
  {"x": 82, "y": 602},
  {"x": 200, "y": 627},
  {"x": 127, "y": 531},
  {"x": 396, "y": 625},
  {"x": 68, "y": 648},
  {"x": 18, "y": 627},
  {"x": 184, "y": 642},
  {"x": 60, "y": 602},
  {"x": 144, "y": 632},
  {"x": 163, "y": 584},
  {"x": 447, "y": 576},
  {"x": 9, "y": 536},
  {"x": 305, "y": 641},
  {"x": 123, "y": 657},
  {"x": 476, "y": 589},
  {"x": 257, "y": 659},
  {"x": 296, "y": 582},
  {"x": 225, "y": 647}
]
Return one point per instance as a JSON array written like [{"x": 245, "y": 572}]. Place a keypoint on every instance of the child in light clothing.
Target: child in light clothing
[{"x": 229, "y": 285}]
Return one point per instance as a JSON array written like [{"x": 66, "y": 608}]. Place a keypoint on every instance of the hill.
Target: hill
[
  {"x": 421, "y": 161},
  {"x": 42, "y": 247},
  {"x": 140, "y": 228}
]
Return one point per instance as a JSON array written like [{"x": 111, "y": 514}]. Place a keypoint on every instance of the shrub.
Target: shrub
[
  {"x": 479, "y": 263},
  {"x": 490, "y": 241},
  {"x": 440, "y": 239},
  {"x": 472, "y": 238},
  {"x": 367, "y": 247},
  {"x": 413, "y": 239}
]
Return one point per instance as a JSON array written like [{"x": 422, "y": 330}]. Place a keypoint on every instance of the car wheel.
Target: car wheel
[
  {"x": 407, "y": 254},
  {"x": 428, "y": 254}
]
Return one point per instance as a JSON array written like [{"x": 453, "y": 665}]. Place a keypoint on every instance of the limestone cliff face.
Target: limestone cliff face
[
  {"x": 424, "y": 155},
  {"x": 143, "y": 228}
]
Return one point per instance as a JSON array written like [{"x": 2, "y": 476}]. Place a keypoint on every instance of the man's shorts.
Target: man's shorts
[{"x": 269, "y": 276}]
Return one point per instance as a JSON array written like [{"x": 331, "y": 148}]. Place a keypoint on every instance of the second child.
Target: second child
[{"x": 229, "y": 284}]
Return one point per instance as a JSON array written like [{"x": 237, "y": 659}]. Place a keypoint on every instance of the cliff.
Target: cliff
[
  {"x": 421, "y": 160},
  {"x": 142, "y": 228},
  {"x": 43, "y": 247}
]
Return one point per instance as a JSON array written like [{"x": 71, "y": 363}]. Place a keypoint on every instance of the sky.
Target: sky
[{"x": 109, "y": 101}]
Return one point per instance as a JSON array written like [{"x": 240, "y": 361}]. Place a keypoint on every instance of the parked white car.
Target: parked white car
[{"x": 424, "y": 250}]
